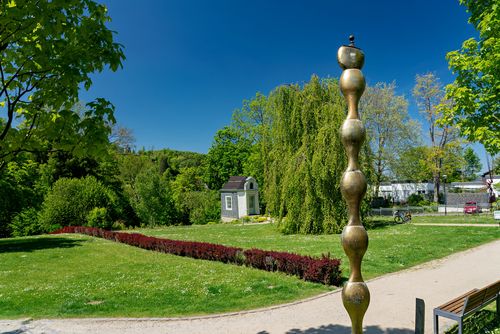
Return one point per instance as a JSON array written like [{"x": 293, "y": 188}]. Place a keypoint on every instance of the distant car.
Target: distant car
[{"x": 472, "y": 207}]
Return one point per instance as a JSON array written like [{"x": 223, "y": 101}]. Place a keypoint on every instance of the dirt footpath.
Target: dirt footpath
[{"x": 392, "y": 309}]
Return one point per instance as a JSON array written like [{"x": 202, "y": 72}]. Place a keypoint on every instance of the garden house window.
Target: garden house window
[{"x": 229, "y": 203}]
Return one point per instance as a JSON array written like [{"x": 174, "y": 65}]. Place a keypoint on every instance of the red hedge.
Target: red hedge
[{"x": 323, "y": 270}]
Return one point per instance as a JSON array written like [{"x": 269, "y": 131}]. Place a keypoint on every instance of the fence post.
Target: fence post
[{"x": 419, "y": 316}]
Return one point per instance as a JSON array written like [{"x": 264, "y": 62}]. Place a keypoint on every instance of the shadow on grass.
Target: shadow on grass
[
  {"x": 33, "y": 244},
  {"x": 376, "y": 224}
]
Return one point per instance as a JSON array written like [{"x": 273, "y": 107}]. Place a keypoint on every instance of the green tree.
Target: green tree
[
  {"x": 226, "y": 157},
  {"x": 152, "y": 199},
  {"x": 496, "y": 165},
  {"x": 390, "y": 130},
  {"x": 428, "y": 93},
  {"x": 306, "y": 158},
  {"x": 476, "y": 89},
  {"x": 253, "y": 121},
  {"x": 48, "y": 50},
  {"x": 412, "y": 165},
  {"x": 472, "y": 164},
  {"x": 20, "y": 188}
]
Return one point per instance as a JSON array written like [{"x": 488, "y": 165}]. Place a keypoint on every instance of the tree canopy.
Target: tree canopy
[
  {"x": 389, "y": 127},
  {"x": 48, "y": 50},
  {"x": 476, "y": 89}
]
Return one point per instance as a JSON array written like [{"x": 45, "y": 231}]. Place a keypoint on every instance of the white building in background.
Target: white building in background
[
  {"x": 400, "y": 191},
  {"x": 239, "y": 198},
  {"x": 480, "y": 185}
]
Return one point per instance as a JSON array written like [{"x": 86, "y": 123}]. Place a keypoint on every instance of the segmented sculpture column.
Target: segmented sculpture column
[{"x": 355, "y": 294}]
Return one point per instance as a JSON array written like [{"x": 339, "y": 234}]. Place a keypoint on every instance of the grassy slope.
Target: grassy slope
[
  {"x": 391, "y": 248},
  {"x": 79, "y": 276}
]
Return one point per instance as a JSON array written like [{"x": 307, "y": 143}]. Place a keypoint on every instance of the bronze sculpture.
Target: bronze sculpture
[{"x": 355, "y": 294}]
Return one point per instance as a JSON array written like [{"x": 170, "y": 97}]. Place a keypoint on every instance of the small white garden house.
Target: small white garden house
[{"x": 239, "y": 198}]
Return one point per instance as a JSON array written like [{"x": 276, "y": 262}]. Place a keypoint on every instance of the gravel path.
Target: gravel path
[{"x": 392, "y": 310}]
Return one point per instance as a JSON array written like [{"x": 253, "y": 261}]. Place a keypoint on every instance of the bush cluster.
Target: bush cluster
[
  {"x": 78, "y": 201},
  {"x": 323, "y": 270}
]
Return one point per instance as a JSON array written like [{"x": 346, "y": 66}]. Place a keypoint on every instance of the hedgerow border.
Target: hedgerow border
[{"x": 324, "y": 270}]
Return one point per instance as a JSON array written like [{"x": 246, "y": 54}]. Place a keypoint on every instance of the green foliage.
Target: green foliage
[
  {"x": 151, "y": 198},
  {"x": 476, "y": 89},
  {"x": 416, "y": 200},
  {"x": 26, "y": 223},
  {"x": 195, "y": 204},
  {"x": 99, "y": 217},
  {"x": 429, "y": 95},
  {"x": 472, "y": 164},
  {"x": 20, "y": 188},
  {"x": 390, "y": 130},
  {"x": 226, "y": 157},
  {"x": 71, "y": 200},
  {"x": 202, "y": 206},
  {"x": 481, "y": 322},
  {"x": 48, "y": 50},
  {"x": 306, "y": 159}
]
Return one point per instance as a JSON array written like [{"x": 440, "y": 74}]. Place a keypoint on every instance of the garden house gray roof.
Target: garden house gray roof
[{"x": 235, "y": 183}]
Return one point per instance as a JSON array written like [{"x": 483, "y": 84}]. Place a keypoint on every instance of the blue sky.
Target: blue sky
[{"x": 191, "y": 63}]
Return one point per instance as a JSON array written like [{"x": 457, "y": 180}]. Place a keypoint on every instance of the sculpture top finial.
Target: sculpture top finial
[
  {"x": 351, "y": 39},
  {"x": 350, "y": 56}
]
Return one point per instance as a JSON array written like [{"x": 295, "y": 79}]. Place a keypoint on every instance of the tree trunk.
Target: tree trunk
[{"x": 436, "y": 188}]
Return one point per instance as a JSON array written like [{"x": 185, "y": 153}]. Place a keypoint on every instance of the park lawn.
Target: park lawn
[
  {"x": 456, "y": 219},
  {"x": 79, "y": 276},
  {"x": 391, "y": 247}
]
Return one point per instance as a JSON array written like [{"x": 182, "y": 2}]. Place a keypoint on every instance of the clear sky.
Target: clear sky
[{"x": 191, "y": 63}]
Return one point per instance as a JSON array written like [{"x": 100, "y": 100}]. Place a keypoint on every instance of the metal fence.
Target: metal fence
[{"x": 456, "y": 209}]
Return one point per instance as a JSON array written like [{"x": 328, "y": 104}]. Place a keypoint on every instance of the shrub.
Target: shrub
[
  {"x": 99, "y": 217},
  {"x": 203, "y": 206},
  {"x": 26, "y": 223},
  {"x": 323, "y": 270},
  {"x": 70, "y": 201},
  {"x": 152, "y": 200},
  {"x": 415, "y": 199}
]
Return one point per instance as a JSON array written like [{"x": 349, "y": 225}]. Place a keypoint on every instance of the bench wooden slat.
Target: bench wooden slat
[
  {"x": 475, "y": 300},
  {"x": 456, "y": 305},
  {"x": 492, "y": 290}
]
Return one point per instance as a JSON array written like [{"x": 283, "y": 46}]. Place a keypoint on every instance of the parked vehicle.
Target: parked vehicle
[
  {"x": 472, "y": 207},
  {"x": 401, "y": 216}
]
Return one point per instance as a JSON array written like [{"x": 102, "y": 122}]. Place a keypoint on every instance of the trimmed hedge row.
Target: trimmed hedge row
[{"x": 323, "y": 270}]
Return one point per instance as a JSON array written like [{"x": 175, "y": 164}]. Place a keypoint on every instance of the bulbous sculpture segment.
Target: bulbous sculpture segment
[
  {"x": 356, "y": 298},
  {"x": 352, "y": 85},
  {"x": 353, "y": 135},
  {"x": 353, "y": 188},
  {"x": 355, "y": 244}
]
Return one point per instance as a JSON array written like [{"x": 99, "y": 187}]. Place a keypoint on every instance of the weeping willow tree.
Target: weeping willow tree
[
  {"x": 297, "y": 155},
  {"x": 305, "y": 157}
]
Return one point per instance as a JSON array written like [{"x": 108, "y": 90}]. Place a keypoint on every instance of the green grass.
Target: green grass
[
  {"x": 456, "y": 219},
  {"x": 391, "y": 248},
  {"x": 481, "y": 322},
  {"x": 79, "y": 276}
]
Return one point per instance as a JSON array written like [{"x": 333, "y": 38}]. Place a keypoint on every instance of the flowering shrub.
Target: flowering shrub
[{"x": 323, "y": 270}]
